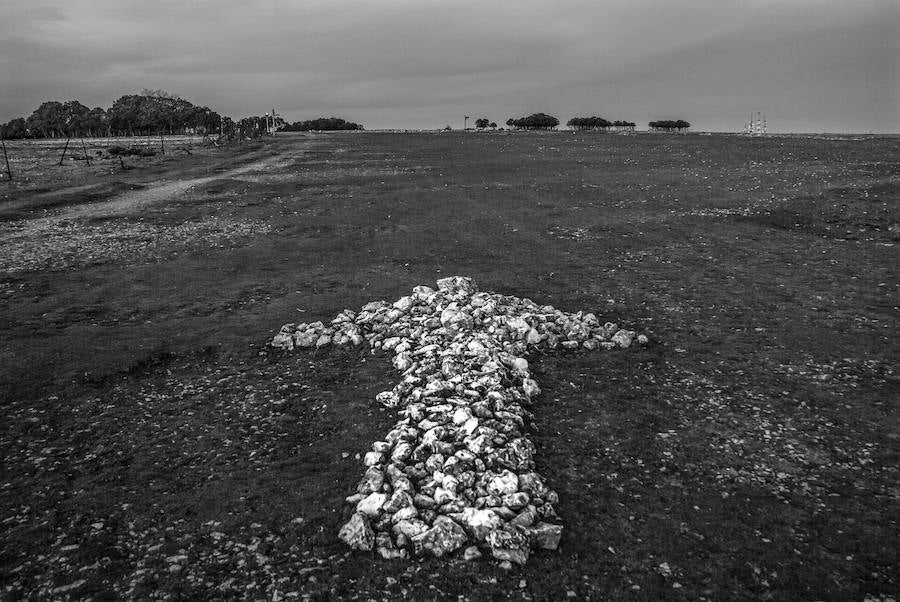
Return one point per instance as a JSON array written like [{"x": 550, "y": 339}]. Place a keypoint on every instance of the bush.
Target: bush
[{"x": 132, "y": 151}]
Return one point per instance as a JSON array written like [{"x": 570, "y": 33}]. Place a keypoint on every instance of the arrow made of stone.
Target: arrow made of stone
[{"x": 457, "y": 469}]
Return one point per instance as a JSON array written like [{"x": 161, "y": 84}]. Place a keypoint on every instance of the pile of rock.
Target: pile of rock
[{"x": 457, "y": 469}]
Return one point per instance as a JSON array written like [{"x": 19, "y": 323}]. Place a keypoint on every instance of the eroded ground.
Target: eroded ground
[{"x": 155, "y": 447}]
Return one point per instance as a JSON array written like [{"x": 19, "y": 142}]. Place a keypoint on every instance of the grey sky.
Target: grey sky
[{"x": 809, "y": 65}]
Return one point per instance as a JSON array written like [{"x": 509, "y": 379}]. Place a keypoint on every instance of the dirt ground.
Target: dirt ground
[{"x": 155, "y": 448}]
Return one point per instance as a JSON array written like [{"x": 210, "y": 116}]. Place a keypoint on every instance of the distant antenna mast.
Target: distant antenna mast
[{"x": 757, "y": 125}]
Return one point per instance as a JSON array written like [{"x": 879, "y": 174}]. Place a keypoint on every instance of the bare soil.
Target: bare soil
[{"x": 155, "y": 448}]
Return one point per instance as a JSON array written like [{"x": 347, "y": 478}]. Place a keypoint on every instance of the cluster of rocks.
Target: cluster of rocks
[{"x": 457, "y": 470}]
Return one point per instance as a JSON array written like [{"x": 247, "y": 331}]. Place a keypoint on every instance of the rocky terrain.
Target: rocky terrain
[{"x": 157, "y": 447}]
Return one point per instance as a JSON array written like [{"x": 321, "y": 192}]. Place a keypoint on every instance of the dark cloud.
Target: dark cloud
[{"x": 808, "y": 64}]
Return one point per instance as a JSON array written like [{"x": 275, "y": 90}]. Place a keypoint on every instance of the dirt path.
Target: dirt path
[
  {"x": 56, "y": 238},
  {"x": 110, "y": 197},
  {"x": 161, "y": 192}
]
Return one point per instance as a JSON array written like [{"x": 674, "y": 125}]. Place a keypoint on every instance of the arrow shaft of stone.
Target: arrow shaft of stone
[{"x": 457, "y": 468}]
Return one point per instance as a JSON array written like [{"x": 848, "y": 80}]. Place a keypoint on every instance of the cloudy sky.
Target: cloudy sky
[{"x": 809, "y": 65}]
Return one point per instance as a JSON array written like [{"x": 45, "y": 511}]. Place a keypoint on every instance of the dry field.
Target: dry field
[{"x": 156, "y": 448}]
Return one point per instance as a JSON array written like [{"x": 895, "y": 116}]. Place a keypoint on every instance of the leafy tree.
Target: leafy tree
[
  {"x": 589, "y": 123},
  {"x": 152, "y": 112},
  {"x": 96, "y": 121},
  {"x": 47, "y": 120},
  {"x": 510, "y": 122},
  {"x": 75, "y": 118},
  {"x": 493, "y": 125},
  {"x": 537, "y": 121},
  {"x": 159, "y": 94},
  {"x": 123, "y": 114},
  {"x": 14, "y": 129},
  {"x": 322, "y": 124},
  {"x": 669, "y": 125},
  {"x": 482, "y": 123}
]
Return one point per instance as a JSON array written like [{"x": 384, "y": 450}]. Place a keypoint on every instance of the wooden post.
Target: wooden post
[
  {"x": 62, "y": 156},
  {"x": 86, "y": 157},
  {"x": 6, "y": 157},
  {"x": 161, "y": 143}
]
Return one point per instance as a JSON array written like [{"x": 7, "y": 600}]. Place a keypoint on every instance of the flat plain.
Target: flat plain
[{"x": 154, "y": 446}]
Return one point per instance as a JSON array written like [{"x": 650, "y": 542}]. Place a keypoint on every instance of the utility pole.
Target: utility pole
[{"x": 465, "y": 120}]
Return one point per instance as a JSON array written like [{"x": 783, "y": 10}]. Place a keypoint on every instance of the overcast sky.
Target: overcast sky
[{"x": 808, "y": 65}]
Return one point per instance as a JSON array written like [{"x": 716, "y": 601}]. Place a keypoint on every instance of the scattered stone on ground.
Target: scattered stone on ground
[
  {"x": 457, "y": 471},
  {"x": 51, "y": 244}
]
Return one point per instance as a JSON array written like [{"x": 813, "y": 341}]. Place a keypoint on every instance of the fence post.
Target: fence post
[
  {"x": 84, "y": 148},
  {"x": 63, "y": 155},
  {"x": 6, "y": 157}
]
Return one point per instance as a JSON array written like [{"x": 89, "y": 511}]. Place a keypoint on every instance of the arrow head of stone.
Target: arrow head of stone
[{"x": 457, "y": 469}]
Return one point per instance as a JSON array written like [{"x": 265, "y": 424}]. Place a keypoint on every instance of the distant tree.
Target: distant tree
[
  {"x": 482, "y": 123},
  {"x": 123, "y": 114},
  {"x": 95, "y": 122},
  {"x": 76, "y": 118},
  {"x": 510, "y": 122},
  {"x": 669, "y": 125},
  {"x": 589, "y": 123},
  {"x": 537, "y": 121},
  {"x": 47, "y": 121},
  {"x": 322, "y": 124},
  {"x": 493, "y": 125},
  {"x": 153, "y": 112},
  {"x": 14, "y": 129},
  {"x": 159, "y": 94},
  {"x": 627, "y": 126}
]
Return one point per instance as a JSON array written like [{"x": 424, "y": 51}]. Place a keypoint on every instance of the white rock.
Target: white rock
[
  {"x": 461, "y": 415},
  {"x": 357, "y": 533},
  {"x": 371, "y": 504},
  {"x": 388, "y": 399},
  {"x": 503, "y": 483},
  {"x": 520, "y": 367},
  {"x": 623, "y": 338},
  {"x": 403, "y": 304},
  {"x": 470, "y": 426},
  {"x": 372, "y": 458},
  {"x": 480, "y": 522}
]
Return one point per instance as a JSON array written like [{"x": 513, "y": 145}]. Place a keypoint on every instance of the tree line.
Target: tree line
[
  {"x": 485, "y": 123},
  {"x": 599, "y": 123},
  {"x": 669, "y": 125},
  {"x": 542, "y": 121},
  {"x": 151, "y": 112},
  {"x": 321, "y": 124},
  {"x": 536, "y": 121}
]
